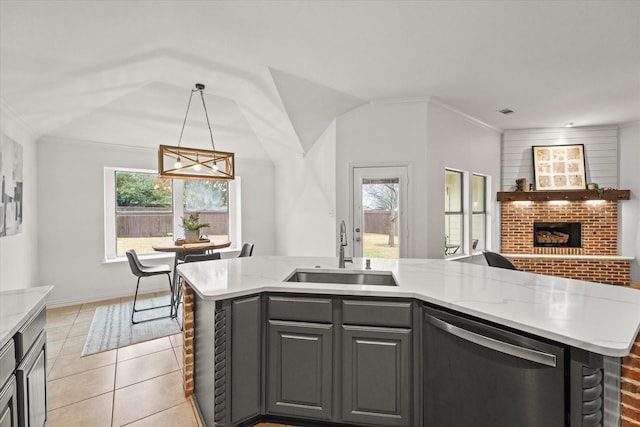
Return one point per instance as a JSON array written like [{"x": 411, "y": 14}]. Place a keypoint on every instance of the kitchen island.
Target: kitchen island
[{"x": 256, "y": 338}]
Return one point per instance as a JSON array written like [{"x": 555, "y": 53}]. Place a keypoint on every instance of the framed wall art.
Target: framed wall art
[
  {"x": 559, "y": 167},
  {"x": 11, "y": 186}
]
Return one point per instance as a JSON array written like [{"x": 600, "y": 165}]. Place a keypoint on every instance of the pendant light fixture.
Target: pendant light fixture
[{"x": 195, "y": 163}]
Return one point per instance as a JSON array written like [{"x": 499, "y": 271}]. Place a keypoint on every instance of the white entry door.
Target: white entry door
[{"x": 380, "y": 227}]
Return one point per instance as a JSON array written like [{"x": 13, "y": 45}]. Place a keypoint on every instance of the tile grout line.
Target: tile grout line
[{"x": 113, "y": 392}]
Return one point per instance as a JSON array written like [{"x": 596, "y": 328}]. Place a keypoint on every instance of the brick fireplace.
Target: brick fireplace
[{"x": 577, "y": 239}]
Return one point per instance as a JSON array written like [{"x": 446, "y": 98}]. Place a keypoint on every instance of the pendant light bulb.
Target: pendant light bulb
[
  {"x": 177, "y": 164},
  {"x": 215, "y": 167},
  {"x": 196, "y": 167}
]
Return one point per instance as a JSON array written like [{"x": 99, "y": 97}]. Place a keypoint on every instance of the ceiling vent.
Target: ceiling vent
[{"x": 506, "y": 111}]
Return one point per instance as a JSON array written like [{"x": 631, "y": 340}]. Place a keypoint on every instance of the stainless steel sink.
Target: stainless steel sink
[{"x": 380, "y": 278}]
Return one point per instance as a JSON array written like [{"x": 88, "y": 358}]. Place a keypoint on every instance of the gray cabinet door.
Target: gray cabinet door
[
  {"x": 246, "y": 358},
  {"x": 376, "y": 388},
  {"x": 8, "y": 404},
  {"x": 299, "y": 369},
  {"x": 32, "y": 386}
]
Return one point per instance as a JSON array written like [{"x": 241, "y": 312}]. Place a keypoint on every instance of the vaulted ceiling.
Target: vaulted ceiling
[{"x": 279, "y": 71}]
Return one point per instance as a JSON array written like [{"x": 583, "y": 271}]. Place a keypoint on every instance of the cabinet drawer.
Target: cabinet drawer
[
  {"x": 376, "y": 313},
  {"x": 318, "y": 310},
  {"x": 7, "y": 361},
  {"x": 28, "y": 334}
]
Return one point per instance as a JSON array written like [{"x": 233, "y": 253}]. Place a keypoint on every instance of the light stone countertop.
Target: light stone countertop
[
  {"x": 603, "y": 319},
  {"x": 16, "y": 306}
]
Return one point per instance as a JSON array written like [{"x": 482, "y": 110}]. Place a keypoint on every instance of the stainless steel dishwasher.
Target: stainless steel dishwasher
[{"x": 477, "y": 375}]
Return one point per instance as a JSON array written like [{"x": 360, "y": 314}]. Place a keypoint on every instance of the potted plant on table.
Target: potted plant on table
[{"x": 192, "y": 226}]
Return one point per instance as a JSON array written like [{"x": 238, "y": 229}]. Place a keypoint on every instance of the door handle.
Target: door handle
[{"x": 497, "y": 345}]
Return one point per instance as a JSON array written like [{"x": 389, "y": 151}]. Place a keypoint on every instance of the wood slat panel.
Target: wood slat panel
[{"x": 600, "y": 144}]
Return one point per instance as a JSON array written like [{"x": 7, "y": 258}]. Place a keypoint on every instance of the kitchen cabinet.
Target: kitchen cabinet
[
  {"x": 300, "y": 369},
  {"x": 8, "y": 403},
  {"x": 8, "y": 388},
  {"x": 31, "y": 373},
  {"x": 376, "y": 362},
  {"x": 372, "y": 355},
  {"x": 23, "y": 356},
  {"x": 300, "y": 357},
  {"x": 376, "y": 388}
]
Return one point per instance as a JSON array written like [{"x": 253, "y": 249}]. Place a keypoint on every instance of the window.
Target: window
[
  {"x": 454, "y": 214},
  {"x": 142, "y": 209},
  {"x": 210, "y": 199},
  {"x": 478, "y": 212}
]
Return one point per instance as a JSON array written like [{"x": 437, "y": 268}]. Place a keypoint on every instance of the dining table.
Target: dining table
[{"x": 182, "y": 249}]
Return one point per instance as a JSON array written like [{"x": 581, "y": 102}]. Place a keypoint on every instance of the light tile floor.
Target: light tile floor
[{"x": 139, "y": 385}]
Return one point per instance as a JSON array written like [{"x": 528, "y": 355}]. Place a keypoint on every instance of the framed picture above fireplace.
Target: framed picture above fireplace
[{"x": 559, "y": 167}]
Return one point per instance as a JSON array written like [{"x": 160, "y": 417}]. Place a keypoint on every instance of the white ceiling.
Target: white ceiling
[{"x": 122, "y": 70}]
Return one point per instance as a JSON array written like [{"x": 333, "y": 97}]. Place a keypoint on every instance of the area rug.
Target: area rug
[{"x": 111, "y": 327}]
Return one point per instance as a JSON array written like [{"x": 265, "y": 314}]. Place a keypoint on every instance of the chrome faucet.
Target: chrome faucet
[{"x": 343, "y": 243}]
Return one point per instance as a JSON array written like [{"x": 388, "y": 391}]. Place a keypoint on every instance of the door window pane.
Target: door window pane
[
  {"x": 209, "y": 199},
  {"x": 380, "y": 201},
  {"x": 143, "y": 211}
]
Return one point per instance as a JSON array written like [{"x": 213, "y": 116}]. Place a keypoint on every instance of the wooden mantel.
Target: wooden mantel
[{"x": 569, "y": 195}]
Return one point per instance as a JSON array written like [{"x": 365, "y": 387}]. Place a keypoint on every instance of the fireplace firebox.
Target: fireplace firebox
[{"x": 557, "y": 234}]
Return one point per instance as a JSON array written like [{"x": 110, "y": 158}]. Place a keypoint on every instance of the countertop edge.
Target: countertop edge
[
  {"x": 566, "y": 340},
  {"x": 40, "y": 293}
]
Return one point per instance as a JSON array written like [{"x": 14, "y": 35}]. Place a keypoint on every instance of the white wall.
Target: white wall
[
  {"x": 427, "y": 136},
  {"x": 385, "y": 133},
  {"x": 18, "y": 253},
  {"x": 459, "y": 142},
  {"x": 305, "y": 203},
  {"x": 71, "y": 217},
  {"x": 600, "y": 152},
  {"x": 629, "y": 221}
]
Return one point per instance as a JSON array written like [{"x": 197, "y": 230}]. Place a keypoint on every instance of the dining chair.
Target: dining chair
[
  {"x": 192, "y": 258},
  {"x": 247, "y": 250},
  {"x": 201, "y": 257},
  {"x": 497, "y": 260},
  {"x": 140, "y": 270}
]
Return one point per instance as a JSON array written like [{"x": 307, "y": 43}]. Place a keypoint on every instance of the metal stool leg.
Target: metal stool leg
[{"x": 170, "y": 305}]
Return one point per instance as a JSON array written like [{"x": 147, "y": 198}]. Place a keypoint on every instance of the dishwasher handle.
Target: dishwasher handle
[{"x": 497, "y": 345}]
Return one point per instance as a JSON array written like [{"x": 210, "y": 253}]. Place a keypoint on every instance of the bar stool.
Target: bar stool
[{"x": 139, "y": 270}]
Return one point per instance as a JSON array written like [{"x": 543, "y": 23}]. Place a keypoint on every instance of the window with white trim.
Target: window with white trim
[
  {"x": 478, "y": 212},
  {"x": 454, "y": 212},
  {"x": 142, "y": 209},
  {"x": 466, "y": 212}
]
